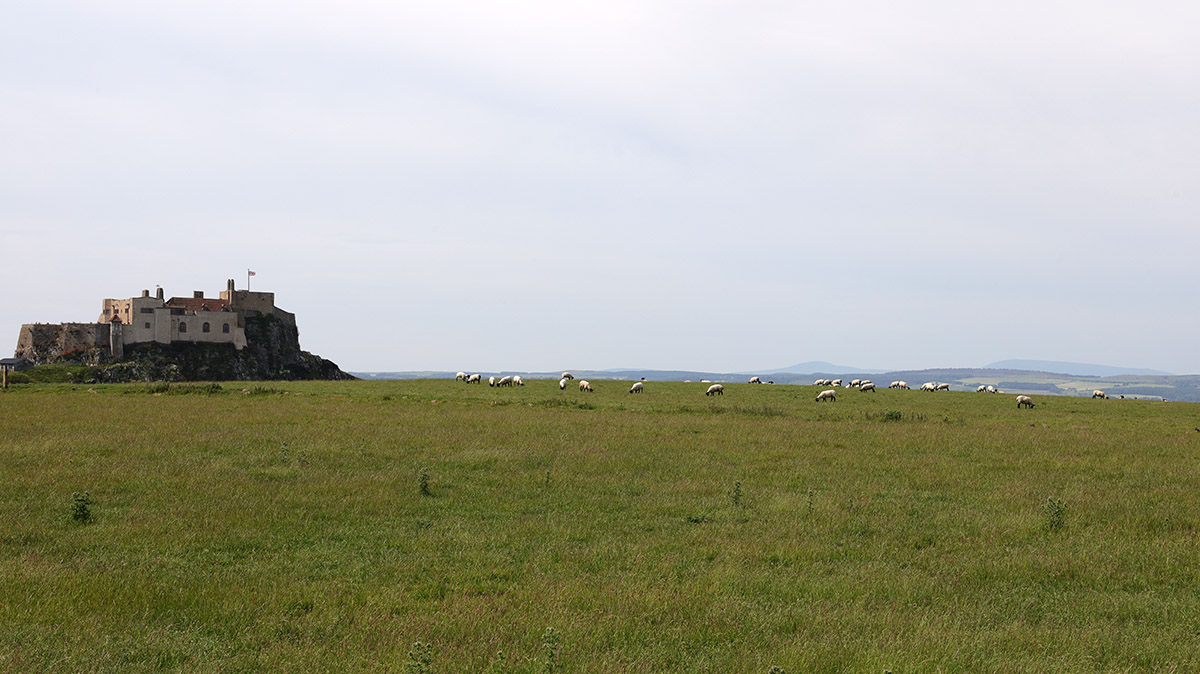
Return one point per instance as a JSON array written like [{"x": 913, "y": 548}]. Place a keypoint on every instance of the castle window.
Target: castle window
[
  {"x": 147, "y": 326},
  {"x": 182, "y": 326},
  {"x": 206, "y": 328},
  {"x": 225, "y": 328}
]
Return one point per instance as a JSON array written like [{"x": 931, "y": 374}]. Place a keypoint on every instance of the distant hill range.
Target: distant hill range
[
  {"x": 1138, "y": 383},
  {"x": 1079, "y": 369}
]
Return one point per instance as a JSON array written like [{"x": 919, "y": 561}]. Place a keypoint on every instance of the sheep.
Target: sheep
[
  {"x": 504, "y": 381},
  {"x": 516, "y": 381},
  {"x": 637, "y": 387},
  {"x": 854, "y": 383},
  {"x": 461, "y": 376},
  {"x": 929, "y": 386},
  {"x": 715, "y": 390},
  {"x": 755, "y": 380},
  {"x": 836, "y": 382},
  {"x": 562, "y": 383},
  {"x": 568, "y": 376},
  {"x": 830, "y": 395},
  {"x": 1099, "y": 394},
  {"x": 474, "y": 379},
  {"x": 904, "y": 385},
  {"x": 943, "y": 387},
  {"x": 981, "y": 389},
  {"x": 491, "y": 381},
  {"x": 867, "y": 387},
  {"x": 1024, "y": 401},
  {"x": 991, "y": 389},
  {"x": 819, "y": 382},
  {"x": 585, "y": 386},
  {"x": 864, "y": 382}
]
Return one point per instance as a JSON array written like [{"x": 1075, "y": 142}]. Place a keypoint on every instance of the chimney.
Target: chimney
[
  {"x": 158, "y": 292},
  {"x": 198, "y": 294},
  {"x": 145, "y": 293},
  {"x": 229, "y": 286}
]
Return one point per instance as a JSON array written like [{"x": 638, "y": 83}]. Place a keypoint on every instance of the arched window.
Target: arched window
[
  {"x": 206, "y": 328},
  {"x": 182, "y": 326},
  {"x": 225, "y": 328}
]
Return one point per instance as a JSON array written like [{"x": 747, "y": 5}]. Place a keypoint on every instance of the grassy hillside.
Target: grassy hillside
[{"x": 283, "y": 528}]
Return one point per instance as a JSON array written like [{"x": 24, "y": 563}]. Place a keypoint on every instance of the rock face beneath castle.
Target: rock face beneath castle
[{"x": 241, "y": 336}]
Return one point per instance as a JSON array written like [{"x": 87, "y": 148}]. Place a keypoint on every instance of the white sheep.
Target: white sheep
[
  {"x": 716, "y": 390},
  {"x": 836, "y": 382},
  {"x": 461, "y": 376},
  {"x": 864, "y": 382},
  {"x": 755, "y": 380},
  {"x": 929, "y": 386},
  {"x": 637, "y": 387},
  {"x": 562, "y": 383},
  {"x": 504, "y": 381},
  {"x": 474, "y": 379},
  {"x": 568, "y": 376},
  {"x": 1099, "y": 394},
  {"x": 943, "y": 387},
  {"x": 1024, "y": 401},
  {"x": 491, "y": 381},
  {"x": 819, "y": 382},
  {"x": 867, "y": 387},
  {"x": 516, "y": 381},
  {"x": 585, "y": 386},
  {"x": 982, "y": 389},
  {"x": 991, "y": 389},
  {"x": 830, "y": 395},
  {"x": 854, "y": 383}
]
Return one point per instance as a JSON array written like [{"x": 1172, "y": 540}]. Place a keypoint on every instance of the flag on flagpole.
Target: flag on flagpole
[{"x": 249, "y": 273}]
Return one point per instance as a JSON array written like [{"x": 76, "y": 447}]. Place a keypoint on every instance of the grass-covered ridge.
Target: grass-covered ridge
[{"x": 283, "y": 528}]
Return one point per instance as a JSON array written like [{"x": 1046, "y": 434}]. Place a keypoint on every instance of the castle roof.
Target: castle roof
[{"x": 197, "y": 304}]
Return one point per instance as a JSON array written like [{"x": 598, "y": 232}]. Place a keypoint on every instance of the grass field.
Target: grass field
[{"x": 285, "y": 529}]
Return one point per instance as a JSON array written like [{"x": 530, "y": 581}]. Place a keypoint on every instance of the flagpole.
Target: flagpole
[{"x": 247, "y": 279}]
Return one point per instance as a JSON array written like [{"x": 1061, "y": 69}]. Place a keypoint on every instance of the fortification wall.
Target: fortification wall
[{"x": 51, "y": 342}]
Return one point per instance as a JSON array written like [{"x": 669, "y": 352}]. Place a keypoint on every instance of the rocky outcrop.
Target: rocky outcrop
[{"x": 272, "y": 351}]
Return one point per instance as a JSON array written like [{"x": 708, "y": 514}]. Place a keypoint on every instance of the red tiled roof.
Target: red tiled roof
[{"x": 197, "y": 304}]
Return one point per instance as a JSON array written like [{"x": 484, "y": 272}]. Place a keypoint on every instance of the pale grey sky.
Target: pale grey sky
[{"x": 699, "y": 185}]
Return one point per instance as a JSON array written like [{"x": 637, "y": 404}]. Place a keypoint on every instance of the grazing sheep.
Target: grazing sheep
[
  {"x": 830, "y": 395},
  {"x": 904, "y": 385},
  {"x": 716, "y": 390},
  {"x": 943, "y": 387},
  {"x": 991, "y": 389},
  {"x": 504, "y": 381},
  {"x": 755, "y": 380},
  {"x": 1099, "y": 394},
  {"x": 854, "y": 383},
  {"x": 836, "y": 382},
  {"x": 568, "y": 375},
  {"x": 491, "y": 381},
  {"x": 819, "y": 382},
  {"x": 562, "y": 383},
  {"x": 474, "y": 379},
  {"x": 929, "y": 386},
  {"x": 637, "y": 387},
  {"x": 516, "y": 381},
  {"x": 461, "y": 376},
  {"x": 1024, "y": 401},
  {"x": 864, "y": 382},
  {"x": 585, "y": 386},
  {"x": 982, "y": 389},
  {"x": 867, "y": 387}
]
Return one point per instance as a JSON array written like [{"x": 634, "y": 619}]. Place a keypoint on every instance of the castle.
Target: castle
[{"x": 147, "y": 319}]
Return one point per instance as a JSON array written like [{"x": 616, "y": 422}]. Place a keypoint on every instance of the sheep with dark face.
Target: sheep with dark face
[
  {"x": 638, "y": 387},
  {"x": 585, "y": 386},
  {"x": 516, "y": 381},
  {"x": 1099, "y": 394},
  {"x": 1024, "y": 401},
  {"x": 929, "y": 386},
  {"x": 568, "y": 376},
  {"x": 474, "y": 379},
  {"x": 506, "y": 380},
  {"x": 867, "y": 387},
  {"x": 829, "y": 395},
  {"x": 981, "y": 389},
  {"x": 461, "y": 376},
  {"x": 991, "y": 389},
  {"x": 715, "y": 390},
  {"x": 836, "y": 382},
  {"x": 755, "y": 380},
  {"x": 562, "y": 383},
  {"x": 491, "y": 381},
  {"x": 943, "y": 387}
]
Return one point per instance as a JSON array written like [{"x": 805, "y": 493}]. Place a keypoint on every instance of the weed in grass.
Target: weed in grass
[
  {"x": 285, "y": 457},
  {"x": 697, "y": 519},
  {"x": 500, "y": 665},
  {"x": 550, "y": 645},
  {"x": 1055, "y": 512},
  {"x": 420, "y": 659},
  {"x": 735, "y": 494},
  {"x": 546, "y": 484},
  {"x": 423, "y": 482},
  {"x": 808, "y": 506},
  {"x": 892, "y": 415},
  {"x": 81, "y": 507},
  {"x": 776, "y": 669}
]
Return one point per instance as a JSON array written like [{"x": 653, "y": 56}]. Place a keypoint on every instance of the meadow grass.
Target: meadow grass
[{"x": 283, "y": 527}]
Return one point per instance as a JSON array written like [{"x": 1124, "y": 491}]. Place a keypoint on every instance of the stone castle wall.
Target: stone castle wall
[{"x": 47, "y": 342}]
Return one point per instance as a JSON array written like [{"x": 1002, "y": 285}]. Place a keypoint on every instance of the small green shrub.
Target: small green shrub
[
  {"x": 1055, "y": 513},
  {"x": 735, "y": 494},
  {"x": 550, "y": 646},
  {"x": 892, "y": 415},
  {"x": 420, "y": 659},
  {"x": 81, "y": 507}
]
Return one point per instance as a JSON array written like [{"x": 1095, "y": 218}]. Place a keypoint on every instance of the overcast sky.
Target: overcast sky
[{"x": 670, "y": 185}]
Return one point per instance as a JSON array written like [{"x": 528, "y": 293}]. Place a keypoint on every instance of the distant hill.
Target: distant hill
[{"x": 1076, "y": 369}]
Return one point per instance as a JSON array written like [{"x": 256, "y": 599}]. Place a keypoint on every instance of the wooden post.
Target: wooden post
[{"x": 5, "y": 368}]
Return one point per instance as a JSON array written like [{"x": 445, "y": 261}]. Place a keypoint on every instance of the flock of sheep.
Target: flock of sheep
[{"x": 719, "y": 389}]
